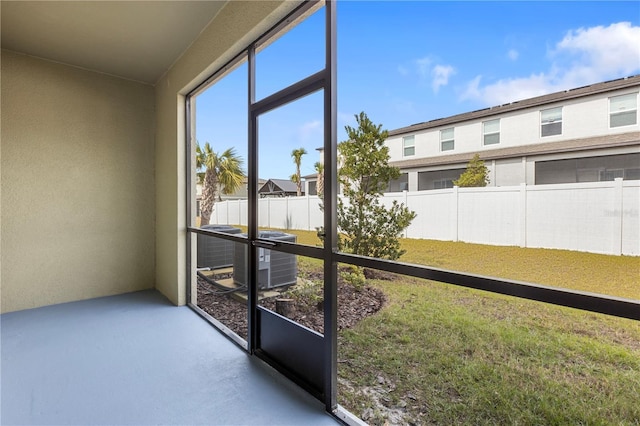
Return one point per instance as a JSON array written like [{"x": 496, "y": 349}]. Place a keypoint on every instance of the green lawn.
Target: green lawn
[
  {"x": 441, "y": 354},
  {"x": 612, "y": 275},
  {"x": 445, "y": 355}
]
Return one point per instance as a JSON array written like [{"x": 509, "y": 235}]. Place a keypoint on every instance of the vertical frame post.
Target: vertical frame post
[
  {"x": 188, "y": 181},
  {"x": 330, "y": 204},
  {"x": 252, "y": 273}
]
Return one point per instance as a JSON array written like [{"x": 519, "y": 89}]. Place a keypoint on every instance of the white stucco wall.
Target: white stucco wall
[
  {"x": 238, "y": 24},
  {"x": 77, "y": 218},
  {"x": 581, "y": 118}
]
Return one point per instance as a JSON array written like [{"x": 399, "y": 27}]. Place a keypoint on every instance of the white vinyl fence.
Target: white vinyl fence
[{"x": 598, "y": 217}]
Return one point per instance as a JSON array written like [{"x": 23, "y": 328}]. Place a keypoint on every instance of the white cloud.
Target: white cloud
[
  {"x": 584, "y": 56},
  {"x": 441, "y": 74},
  {"x": 513, "y": 54},
  {"x": 428, "y": 72},
  {"x": 309, "y": 129},
  {"x": 509, "y": 90}
]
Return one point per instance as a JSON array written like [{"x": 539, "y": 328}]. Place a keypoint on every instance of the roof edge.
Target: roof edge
[{"x": 592, "y": 89}]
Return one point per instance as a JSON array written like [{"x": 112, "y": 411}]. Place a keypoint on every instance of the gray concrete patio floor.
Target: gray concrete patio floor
[{"x": 137, "y": 359}]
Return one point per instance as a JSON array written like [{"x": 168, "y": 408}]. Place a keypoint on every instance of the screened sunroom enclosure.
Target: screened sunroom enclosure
[{"x": 260, "y": 259}]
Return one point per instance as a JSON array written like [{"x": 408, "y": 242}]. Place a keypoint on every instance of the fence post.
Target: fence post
[
  {"x": 618, "y": 215},
  {"x": 308, "y": 211},
  {"x": 406, "y": 204},
  {"x": 455, "y": 220},
  {"x": 268, "y": 212},
  {"x": 523, "y": 215}
]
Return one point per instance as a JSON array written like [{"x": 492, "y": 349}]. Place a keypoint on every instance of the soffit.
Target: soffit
[{"x": 136, "y": 40}]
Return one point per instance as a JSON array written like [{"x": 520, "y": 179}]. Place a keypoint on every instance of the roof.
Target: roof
[
  {"x": 582, "y": 144},
  {"x": 278, "y": 186},
  {"x": 579, "y": 92}
]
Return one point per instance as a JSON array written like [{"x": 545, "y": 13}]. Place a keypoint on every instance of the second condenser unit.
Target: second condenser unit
[
  {"x": 214, "y": 252},
  {"x": 275, "y": 269}
]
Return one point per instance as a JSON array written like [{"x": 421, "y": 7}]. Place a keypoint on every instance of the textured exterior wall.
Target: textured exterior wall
[
  {"x": 77, "y": 199},
  {"x": 238, "y": 24},
  {"x": 581, "y": 118}
]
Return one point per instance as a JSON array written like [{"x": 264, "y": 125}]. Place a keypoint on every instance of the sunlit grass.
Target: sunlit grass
[
  {"x": 611, "y": 275},
  {"x": 441, "y": 354},
  {"x": 596, "y": 273},
  {"x": 446, "y": 355}
]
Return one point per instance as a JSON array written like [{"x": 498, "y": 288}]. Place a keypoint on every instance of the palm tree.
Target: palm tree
[
  {"x": 222, "y": 174},
  {"x": 297, "y": 154},
  {"x": 320, "y": 182}
]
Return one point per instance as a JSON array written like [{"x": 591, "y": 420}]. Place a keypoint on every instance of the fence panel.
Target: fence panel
[
  {"x": 316, "y": 216},
  {"x": 630, "y": 215},
  {"x": 298, "y": 213},
  {"x": 599, "y": 217},
  {"x": 559, "y": 216},
  {"x": 489, "y": 215},
  {"x": 435, "y": 215}
]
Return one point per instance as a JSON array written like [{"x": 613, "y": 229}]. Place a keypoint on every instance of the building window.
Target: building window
[
  {"x": 443, "y": 184},
  {"x": 588, "y": 169},
  {"x": 438, "y": 179},
  {"x": 606, "y": 175},
  {"x": 313, "y": 187},
  {"x": 409, "y": 145},
  {"x": 491, "y": 132},
  {"x": 623, "y": 110},
  {"x": 446, "y": 139},
  {"x": 551, "y": 122},
  {"x": 400, "y": 184}
]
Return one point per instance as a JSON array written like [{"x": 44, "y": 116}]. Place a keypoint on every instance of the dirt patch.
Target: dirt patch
[{"x": 353, "y": 306}]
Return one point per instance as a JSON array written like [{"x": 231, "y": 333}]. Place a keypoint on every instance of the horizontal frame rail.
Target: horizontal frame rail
[
  {"x": 222, "y": 235},
  {"x": 302, "y": 88},
  {"x": 592, "y": 302}
]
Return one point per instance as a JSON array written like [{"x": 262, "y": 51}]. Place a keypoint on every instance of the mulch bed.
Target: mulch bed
[{"x": 353, "y": 305}]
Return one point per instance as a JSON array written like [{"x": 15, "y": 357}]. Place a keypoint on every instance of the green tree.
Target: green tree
[
  {"x": 476, "y": 174},
  {"x": 297, "y": 154},
  {"x": 367, "y": 227},
  {"x": 218, "y": 173}
]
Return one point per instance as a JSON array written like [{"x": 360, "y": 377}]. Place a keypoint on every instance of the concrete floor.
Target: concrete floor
[{"x": 137, "y": 359}]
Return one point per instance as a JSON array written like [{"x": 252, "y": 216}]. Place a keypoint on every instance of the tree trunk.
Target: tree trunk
[
  {"x": 284, "y": 307},
  {"x": 320, "y": 184},
  {"x": 208, "y": 197},
  {"x": 299, "y": 180}
]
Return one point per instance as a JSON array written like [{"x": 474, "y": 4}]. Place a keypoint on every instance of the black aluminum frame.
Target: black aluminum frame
[
  {"x": 326, "y": 80},
  {"x": 322, "y": 80}
]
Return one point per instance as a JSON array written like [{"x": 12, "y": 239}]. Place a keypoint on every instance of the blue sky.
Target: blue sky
[{"x": 407, "y": 62}]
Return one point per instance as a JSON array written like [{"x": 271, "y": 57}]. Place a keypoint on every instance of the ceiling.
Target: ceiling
[{"x": 136, "y": 40}]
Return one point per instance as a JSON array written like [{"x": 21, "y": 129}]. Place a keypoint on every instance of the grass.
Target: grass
[
  {"x": 440, "y": 354},
  {"x": 595, "y": 273},
  {"x": 448, "y": 355}
]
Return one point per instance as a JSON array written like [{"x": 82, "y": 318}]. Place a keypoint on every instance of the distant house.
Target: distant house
[
  {"x": 279, "y": 188},
  {"x": 587, "y": 134}
]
